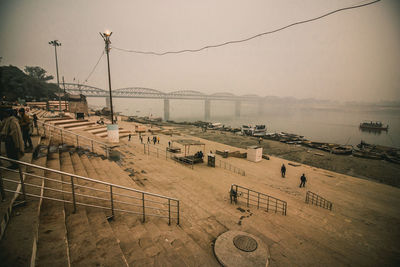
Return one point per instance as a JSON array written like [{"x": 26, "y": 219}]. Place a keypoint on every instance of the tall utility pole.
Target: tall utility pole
[
  {"x": 56, "y": 43},
  {"x": 65, "y": 96},
  {"x": 106, "y": 37}
]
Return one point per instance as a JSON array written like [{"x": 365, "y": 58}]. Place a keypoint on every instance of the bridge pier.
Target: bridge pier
[
  {"x": 108, "y": 102},
  {"x": 207, "y": 109},
  {"x": 238, "y": 104},
  {"x": 166, "y": 109}
]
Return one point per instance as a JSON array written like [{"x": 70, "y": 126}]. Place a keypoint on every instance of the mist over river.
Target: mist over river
[{"x": 317, "y": 122}]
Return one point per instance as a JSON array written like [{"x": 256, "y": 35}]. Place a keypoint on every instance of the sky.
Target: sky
[{"x": 349, "y": 56}]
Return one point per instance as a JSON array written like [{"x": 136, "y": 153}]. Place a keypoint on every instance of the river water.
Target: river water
[{"x": 334, "y": 124}]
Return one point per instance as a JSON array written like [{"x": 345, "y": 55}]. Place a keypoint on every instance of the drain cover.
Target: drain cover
[{"x": 245, "y": 243}]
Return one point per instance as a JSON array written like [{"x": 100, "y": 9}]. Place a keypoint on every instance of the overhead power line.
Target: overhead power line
[
  {"x": 95, "y": 66},
  {"x": 248, "y": 38}
]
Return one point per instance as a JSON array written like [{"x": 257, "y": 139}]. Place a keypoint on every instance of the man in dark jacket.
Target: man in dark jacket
[
  {"x": 303, "y": 180},
  {"x": 283, "y": 170}
]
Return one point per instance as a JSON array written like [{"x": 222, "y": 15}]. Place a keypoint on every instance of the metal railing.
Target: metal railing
[
  {"x": 314, "y": 199},
  {"x": 260, "y": 200},
  {"x": 149, "y": 149},
  {"x": 89, "y": 192},
  {"x": 73, "y": 138},
  {"x": 230, "y": 167}
]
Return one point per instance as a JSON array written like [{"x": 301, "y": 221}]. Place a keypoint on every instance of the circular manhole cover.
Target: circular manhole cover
[{"x": 245, "y": 243}]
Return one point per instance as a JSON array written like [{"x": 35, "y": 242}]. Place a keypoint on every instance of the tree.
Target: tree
[{"x": 37, "y": 73}]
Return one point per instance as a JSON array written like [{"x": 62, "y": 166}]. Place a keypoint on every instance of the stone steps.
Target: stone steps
[
  {"x": 16, "y": 247},
  {"x": 52, "y": 238},
  {"x": 106, "y": 246},
  {"x": 170, "y": 242}
]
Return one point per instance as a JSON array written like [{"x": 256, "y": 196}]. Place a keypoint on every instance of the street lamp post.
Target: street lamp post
[
  {"x": 56, "y": 43},
  {"x": 106, "y": 37}
]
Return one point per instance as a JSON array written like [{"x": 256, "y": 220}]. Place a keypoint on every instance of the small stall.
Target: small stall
[
  {"x": 187, "y": 143},
  {"x": 254, "y": 153}
]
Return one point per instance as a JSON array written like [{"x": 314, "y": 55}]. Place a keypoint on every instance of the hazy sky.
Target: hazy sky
[{"x": 353, "y": 55}]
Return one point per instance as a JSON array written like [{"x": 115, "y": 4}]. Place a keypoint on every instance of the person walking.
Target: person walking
[
  {"x": 25, "y": 123},
  {"x": 303, "y": 180},
  {"x": 158, "y": 140},
  {"x": 141, "y": 139},
  {"x": 11, "y": 134},
  {"x": 129, "y": 137},
  {"x": 169, "y": 143},
  {"x": 35, "y": 119},
  {"x": 148, "y": 139},
  {"x": 233, "y": 195},
  {"x": 283, "y": 170}
]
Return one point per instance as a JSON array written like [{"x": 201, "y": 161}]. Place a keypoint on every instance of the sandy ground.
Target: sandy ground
[
  {"x": 361, "y": 229},
  {"x": 377, "y": 170}
]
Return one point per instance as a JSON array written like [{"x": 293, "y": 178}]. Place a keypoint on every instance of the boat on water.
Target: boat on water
[
  {"x": 374, "y": 125},
  {"x": 260, "y": 131},
  {"x": 342, "y": 150},
  {"x": 247, "y": 130}
]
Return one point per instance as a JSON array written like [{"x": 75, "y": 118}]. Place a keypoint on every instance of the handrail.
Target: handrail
[
  {"x": 75, "y": 185},
  {"x": 107, "y": 147},
  {"x": 280, "y": 205},
  {"x": 318, "y": 200},
  {"x": 83, "y": 178},
  {"x": 235, "y": 169},
  {"x": 85, "y": 137}
]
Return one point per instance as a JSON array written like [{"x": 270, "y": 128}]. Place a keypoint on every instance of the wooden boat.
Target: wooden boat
[
  {"x": 342, "y": 150},
  {"x": 375, "y": 125}
]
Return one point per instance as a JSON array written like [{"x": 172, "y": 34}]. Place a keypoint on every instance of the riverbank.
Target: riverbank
[{"x": 377, "y": 170}]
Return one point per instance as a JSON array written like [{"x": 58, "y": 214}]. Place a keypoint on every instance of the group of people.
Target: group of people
[
  {"x": 16, "y": 128},
  {"x": 303, "y": 178}
]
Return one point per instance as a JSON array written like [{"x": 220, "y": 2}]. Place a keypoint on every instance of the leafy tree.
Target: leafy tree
[
  {"x": 37, "y": 73},
  {"x": 15, "y": 84}
]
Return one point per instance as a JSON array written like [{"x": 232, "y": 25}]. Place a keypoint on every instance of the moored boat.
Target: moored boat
[
  {"x": 375, "y": 125},
  {"x": 342, "y": 150}
]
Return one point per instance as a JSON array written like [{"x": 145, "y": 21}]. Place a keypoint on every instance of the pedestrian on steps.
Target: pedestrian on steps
[
  {"x": 283, "y": 170},
  {"x": 11, "y": 134},
  {"x": 25, "y": 123},
  {"x": 129, "y": 137},
  {"x": 303, "y": 180}
]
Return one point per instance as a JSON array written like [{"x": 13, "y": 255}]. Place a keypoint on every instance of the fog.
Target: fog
[{"x": 349, "y": 56}]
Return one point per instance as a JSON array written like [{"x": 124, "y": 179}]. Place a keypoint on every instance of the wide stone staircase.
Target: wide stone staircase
[{"x": 54, "y": 233}]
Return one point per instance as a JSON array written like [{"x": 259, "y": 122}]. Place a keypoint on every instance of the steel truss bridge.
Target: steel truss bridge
[{"x": 140, "y": 92}]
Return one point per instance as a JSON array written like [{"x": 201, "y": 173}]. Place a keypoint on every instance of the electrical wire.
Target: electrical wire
[
  {"x": 94, "y": 68},
  {"x": 245, "y": 39}
]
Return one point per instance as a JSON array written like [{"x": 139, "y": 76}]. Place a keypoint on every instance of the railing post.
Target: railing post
[
  {"x": 169, "y": 212},
  {"x": 112, "y": 202},
  {"x": 62, "y": 140},
  {"x": 143, "y": 207},
  {"x": 77, "y": 141},
  {"x": 258, "y": 201},
  {"x": 73, "y": 193},
  {"x": 3, "y": 193},
  {"x": 276, "y": 205},
  {"x": 144, "y": 149},
  {"x": 267, "y": 203},
  {"x": 248, "y": 197},
  {"x": 178, "y": 213},
  {"x": 148, "y": 149},
  {"x": 92, "y": 146},
  {"x": 21, "y": 177}
]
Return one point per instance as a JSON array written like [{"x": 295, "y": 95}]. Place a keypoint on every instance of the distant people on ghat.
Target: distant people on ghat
[
  {"x": 303, "y": 181},
  {"x": 283, "y": 170}
]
